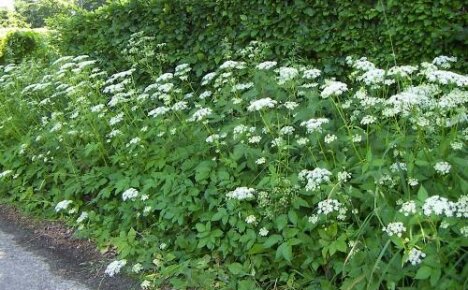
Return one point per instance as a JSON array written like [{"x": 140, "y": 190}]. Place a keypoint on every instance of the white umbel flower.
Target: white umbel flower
[
  {"x": 130, "y": 193},
  {"x": 442, "y": 167},
  {"x": 241, "y": 193},
  {"x": 415, "y": 256},
  {"x": 115, "y": 267},
  {"x": 261, "y": 104},
  {"x": 395, "y": 228},
  {"x": 63, "y": 205},
  {"x": 333, "y": 88}
]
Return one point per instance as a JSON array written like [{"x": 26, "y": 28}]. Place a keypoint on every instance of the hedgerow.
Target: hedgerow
[
  {"x": 204, "y": 32},
  {"x": 257, "y": 176}
]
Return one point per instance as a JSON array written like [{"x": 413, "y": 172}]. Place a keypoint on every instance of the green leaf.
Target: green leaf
[
  {"x": 272, "y": 240},
  {"x": 236, "y": 268},
  {"x": 423, "y": 273},
  {"x": 284, "y": 251},
  {"x": 292, "y": 216}
]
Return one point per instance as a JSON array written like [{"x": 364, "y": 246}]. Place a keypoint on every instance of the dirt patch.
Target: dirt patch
[{"x": 72, "y": 258}]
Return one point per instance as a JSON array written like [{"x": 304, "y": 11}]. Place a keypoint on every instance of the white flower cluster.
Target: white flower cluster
[
  {"x": 333, "y": 88},
  {"x": 200, "y": 114},
  {"x": 415, "y": 256},
  {"x": 444, "y": 61},
  {"x": 241, "y": 193},
  {"x": 314, "y": 178},
  {"x": 251, "y": 219},
  {"x": 444, "y": 77},
  {"x": 442, "y": 167},
  {"x": 315, "y": 125},
  {"x": 462, "y": 207},
  {"x": 328, "y": 206},
  {"x": 267, "y": 65},
  {"x": 286, "y": 74},
  {"x": 395, "y": 228},
  {"x": 115, "y": 267},
  {"x": 438, "y": 206},
  {"x": 83, "y": 216},
  {"x": 408, "y": 208},
  {"x": 63, "y": 205},
  {"x": 130, "y": 193},
  {"x": 159, "y": 111},
  {"x": 230, "y": 64},
  {"x": 343, "y": 176},
  {"x": 6, "y": 173},
  {"x": 261, "y": 104},
  {"x": 311, "y": 74}
]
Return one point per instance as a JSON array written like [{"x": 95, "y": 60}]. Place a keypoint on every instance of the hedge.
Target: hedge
[{"x": 320, "y": 31}]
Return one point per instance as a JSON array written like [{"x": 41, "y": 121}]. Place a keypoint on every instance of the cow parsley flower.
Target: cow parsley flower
[
  {"x": 200, "y": 114},
  {"x": 290, "y": 105},
  {"x": 6, "y": 173},
  {"x": 205, "y": 94},
  {"x": 444, "y": 61},
  {"x": 208, "y": 78},
  {"x": 343, "y": 176},
  {"x": 329, "y": 138},
  {"x": 115, "y": 267},
  {"x": 130, "y": 193},
  {"x": 63, "y": 205},
  {"x": 83, "y": 216},
  {"x": 286, "y": 130},
  {"x": 333, "y": 88},
  {"x": 230, "y": 64},
  {"x": 286, "y": 74},
  {"x": 328, "y": 206},
  {"x": 241, "y": 193},
  {"x": 438, "y": 206},
  {"x": 314, "y": 178},
  {"x": 242, "y": 87},
  {"x": 315, "y": 125},
  {"x": 251, "y": 219},
  {"x": 408, "y": 208},
  {"x": 313, "y": 219},
  {"x": 415, "y": 256},
  {"x": 311, "y": 74},
  {"x": 261, "y": 160},
  {"x": 261, "y": 104},
  {"x": 116, "y": 119},
  {"x": 145, "y": 284},
  {"x": 398, "y": 166},
  {"x": 267, "y": 65},
  {"x": 395, "y": 228},
  {"x": 442, "y": 167},
  {"x": 263, "y": 232},
  {"x": 367, "y": 120}
]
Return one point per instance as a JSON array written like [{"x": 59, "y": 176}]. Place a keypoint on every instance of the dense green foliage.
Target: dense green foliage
[
  {"x": 204, "y": 32},
  {"x": 18, "y": 44},
  {"x": 11, "y": 19},
  {"x": 252, "y": 179},
  {"x": 36, "y": 12}
]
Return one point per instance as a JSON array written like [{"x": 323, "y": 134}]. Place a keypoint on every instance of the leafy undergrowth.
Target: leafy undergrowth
[{"x": 257, "y": 176}]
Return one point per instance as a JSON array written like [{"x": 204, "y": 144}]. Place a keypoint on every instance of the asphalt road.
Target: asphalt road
[{"x": 21, "y": 269}]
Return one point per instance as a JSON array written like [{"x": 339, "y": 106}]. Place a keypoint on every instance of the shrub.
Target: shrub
[
  {"x": 204, "y": 32},
  {"x": 18, "y": 44},
  {"x": 258, "y": 176}
]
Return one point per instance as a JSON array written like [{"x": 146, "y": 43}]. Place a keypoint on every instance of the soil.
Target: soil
[{"x": 67, "y": 255}]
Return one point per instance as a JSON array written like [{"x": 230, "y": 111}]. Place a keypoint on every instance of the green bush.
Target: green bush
[
  {"x": 204, "y": 32},
  {"x": 18, "y": 44},
  {"x": 260, "y": 176}
]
